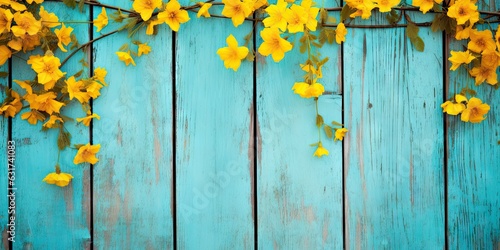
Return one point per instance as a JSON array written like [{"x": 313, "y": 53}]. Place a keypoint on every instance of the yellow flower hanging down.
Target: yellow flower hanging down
[
  {"x": 60, "y": 179},
  {"x": 463, "y": 11},
  {"x": 86, "y": 120},
  {"x": 340, "y": 33},
  {"x": 276, "y": 17},
  {"x": 143, "y": 49},
  {"x": 232, "y": 55},
  {"x": 75, "y": 90},
  {"x": 102, "y": 20},
  {"x": 273, "y": 44},
  {"x": 125, "y": 57},
  {"x": 340, "y": 133},
  {"x": 33, "y": 117},
  {"x": 203, "y": 9},
  {"x": 475, "y": 111},
  {"x": 320, "y": 151},
  {"x": 296, "y": 16},
  {"x": 64, "y": 37},
  {"x": 236, "y": 10},
  {"x": 455, "y": 108},
  {"x": 100, "y": 75},
  {"x": 52, "y": 122},
  {"x": 173, "y": 15},
  {"x": 87, "y": 153},
  {"x": 146, "y": 7},
  {"x": 425, "y": 5},
  {"x": 460, "y": 57},
  {"x": 312, "y": 13},
  {"x": 306, "y": 90}
]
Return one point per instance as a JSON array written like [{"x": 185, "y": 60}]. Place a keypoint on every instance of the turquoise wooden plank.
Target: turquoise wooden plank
[
  {"x": 4, "y": 216},
  {"x": 47, "y": 211},
  {"x": 214, "y": 124},
  {"x": 299, "y": 196},
  {"x": 132, "y": 182},
  {"x": 394, "y": 189},
  {"x": 473, "y": 160}
]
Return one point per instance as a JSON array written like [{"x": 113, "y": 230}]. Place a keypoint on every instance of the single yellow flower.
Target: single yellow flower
[
  {"x": 47, "y": 68},
  {"x": 483, "y": 73},
  {"x": 151, "y": 25},
  {"x": 364, "y": 8},
  {"x": 232, "y": 55},
  {"x": 146, "y": 7},
  {"x": 48, "y": 19},
  {"x": 236, "y": 10},
  {"x": 273, "y": 44},
  {"x": 125, "y": 57},
  {"x": 59, "y": 179},
  {"x": 25, "y": 24},
  {"x": 25, "y": 85},
  {"x": 26, "y": 41},
  {"x": 64, "y": 36},
  {"x": 102, "y": 20},
  {"x": 276, "y": 17},
  {"x": 490, "y": 59},
  {"x": 340, "y": 133},
  {"x": 36, "y": 1},
  {"x": 10, "y": 109},
  {"x": 463, "y": 11},
  {"x": 475, "y": 111},
  {"x": 306, "y": 90},
  {"x": 463, "y": 32},
  {"x": 340, "y": 33},
  {"x": 44, "y": 102},
  {"x": 311, "y": 69},
  {"x": 256, "y": 4},
  {"x": 100, "y": 74},
  {"x": 312, "y": 13},
  {"x": 75, "y": 90},
  {"x": 203, "y": 11},
  {"x": 52, "y": 122},
  {"x": 5, "y": 20},
  {"x": 5, "y": 54},
  {"x": 86, "y": 120},
  {"x": 14, "y": 5},
  {"x": 320, "y": 151},
  {"x": 425, "y": 5},
  {"x": 453, "y": 108},
  {"x": 143, "y": 49},
  {"x": 297, "y": 17},
  {"x": 173, "y": 15},
  {"x": 386, "y": 5},
  {"x": 87, "y": 153},
  {"x": 93, "y": 89},
  {"x": 481, "y": 40},
  {"x": 460, "y": 57},
  {"x": 33, "y": 117}
]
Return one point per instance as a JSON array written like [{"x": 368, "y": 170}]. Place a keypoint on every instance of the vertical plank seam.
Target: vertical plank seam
[
  {"x": 9, "y": 137},
  {"x": 91, "y": 129},
  {"x": 342, "y": 84},
  {"x": 255, "y": 179},
  {"x": 174, "y": 142},
  {"x": 445, "y": 138}
]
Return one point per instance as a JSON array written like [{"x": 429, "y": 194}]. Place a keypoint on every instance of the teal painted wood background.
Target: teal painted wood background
[{"x": 195, "y": 156}]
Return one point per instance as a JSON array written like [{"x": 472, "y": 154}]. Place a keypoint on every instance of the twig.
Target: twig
[{"x": 86, "y": 44}]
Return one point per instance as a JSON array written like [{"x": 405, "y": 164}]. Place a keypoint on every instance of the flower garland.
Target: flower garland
[{"x": 26, "y": 26}]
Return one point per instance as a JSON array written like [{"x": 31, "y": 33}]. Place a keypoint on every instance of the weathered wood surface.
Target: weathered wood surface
[
  {"x": 179, "y": 168},
  {"x": 4, "y": 126}
]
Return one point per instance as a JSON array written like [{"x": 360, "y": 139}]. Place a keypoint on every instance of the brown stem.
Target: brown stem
[{"x": 86, "y": 44}]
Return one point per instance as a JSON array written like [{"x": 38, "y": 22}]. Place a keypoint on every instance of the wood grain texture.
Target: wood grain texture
[
  {"x": 4, "y": 216},
  {"x": 299, "y": 196},
  {"x": 46, "y": 212},
  {"x": 394, "y": 150},
  {"x": 214, "y": 124},
  {"x": 132, "y": 194}
]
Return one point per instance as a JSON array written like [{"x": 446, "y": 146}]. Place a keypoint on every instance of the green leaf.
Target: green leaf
[
  {"x": 346, "y": 12},
  {"x": 418, "y": 43},
  {"x": 4, "y": 74},
  {"x": 412, "y": 30},
  {"x": 81, "y": 5},
  {"x": 323, "y": 15},
  {"x": 322, "y": 62},
  {"x": 330, "y": 35},
  {"x": 319, "y": 120},
  {"x": 393, "y": 17},
  {"x": 334, "y": 123},
  {"x": 251, "y": 56},
  {"x": 70, "y": 3},
  {"x": 78, "y": 146},
  {"x": 64, "y": 140},
  {"x": 328, "y": 131},
  {"x": 322, "y": 36}
]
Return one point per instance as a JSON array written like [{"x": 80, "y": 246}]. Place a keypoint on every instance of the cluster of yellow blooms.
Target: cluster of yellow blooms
[{"x": 26, "y": 25}]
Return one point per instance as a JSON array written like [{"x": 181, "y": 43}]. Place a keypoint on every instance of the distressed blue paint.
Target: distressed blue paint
[
  {"x": 214, "y": 124},
  {"x": 47, "y": 211},
  {"x": 394, "y": 151},
  {"x": 3, "y": 162},
  {"x": 299, "y": 196},
  {"x": 133, "y": 179}
]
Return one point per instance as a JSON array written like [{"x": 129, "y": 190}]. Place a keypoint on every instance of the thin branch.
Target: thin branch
[
  {"x": 86, "y": 44},
  {"x": 100, "y": 5}
]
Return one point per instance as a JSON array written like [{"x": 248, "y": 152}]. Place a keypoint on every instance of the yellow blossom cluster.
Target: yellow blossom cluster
[{"x": 473, "y": 110}]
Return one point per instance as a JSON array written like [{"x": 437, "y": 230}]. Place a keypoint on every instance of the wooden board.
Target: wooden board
[
  {"x": 214, "y": 139},
  {"x": 4, "y": 216},
  {"x": 45, "y": 211},
  {"x": 394, "y": 190},
  {"x": 132, "y": 182}
]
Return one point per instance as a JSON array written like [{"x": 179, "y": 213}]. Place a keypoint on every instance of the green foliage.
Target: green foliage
[
  {"x": 393, "y": 17},
  {"x": 319, "y": 120},
  {"x": 328, "y": 131},
  {"x": 415, "y": 39},
  {"x": 443, "y": 22}
]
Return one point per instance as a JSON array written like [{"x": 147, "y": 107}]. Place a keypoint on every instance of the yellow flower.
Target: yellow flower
[
  {"x": 311, "y": 69},
  {"x": 459, "y": 57},
  {"x": 232, "y": 55},
  {"x": 276, "y": 17},
  {"x": 482, "y": 73},
  {"x": 273, "y": 44},
  {"x": 5, "y": 20},
  {"x": 48, "y": 19},
  {"x": 26, "y": 42},
  {"x": 475, "y": 111},
  {"x": 25, "y": 85},
  {"x": 497, "y": 37},
  {"x": 463, "y": 32},
  {"x": 386, "y": 5},
  {"x": 204, "y": 9},
  {"x": 36, "y": 1},
  {"x": 340, "y": 33},
  {"x": 59, "y": 179},
  {"x": 86, "y": 120},
  {"x": 100, "y": 74},
  {"x": 33, "y": 117},
  {"x": 364, "y": 8},
  {"x": 102, "y": 20},
  {"x": 296, "y": 16},
  {"x": 312, "y": 13},
  {"x": 340, "y": 133},
  {"x": 490, "y": 59},
  {"x": 151, "y": 25},
  {"x": 74, "y": 90},
  {"x": 47, "y": 68},
  {"x": 5, "y": 54},
  {"x": 14, "y": 5},
  {"x": 173, "y": 15},
  {"x": 93, "y": 90},
  {"x": 481, "y": 40},
  {"x": 125, "y": 57},
  {"x": 25, "y": 24},
  {"x": 236, "y": 10},
  {"x": 144, "y": 49},
  {"x": 255, "y": 4},
  {"x": 13, "y": 107},
  {"x": 146, "y": 7},
  {"x": 51, "y": 123},
  {"x": 463, "y": 11},
  {"x": 320, "y": 151},
  {"x": 44, "y": 102},
  {"x": 306, "y": 90},
  {"x": 87, "y": 153},
  {"x": 454, "y": 108},
  {"x": 63, "y": 36},
  {"x": 425, "y": 5}
]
